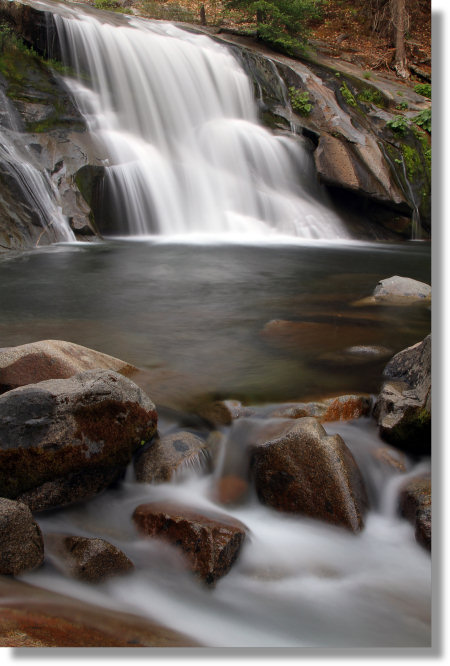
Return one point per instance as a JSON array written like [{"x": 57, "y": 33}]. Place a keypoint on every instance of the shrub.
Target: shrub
[
  {"x": 423, "y": 119},
  {"x": 372, "y": 96},
  {"x": 398, "y": 124},
  {"x": 281, "y": 23},
  {"x": 423, "y": 89}
]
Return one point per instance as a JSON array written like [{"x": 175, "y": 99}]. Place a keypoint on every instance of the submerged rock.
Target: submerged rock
[
  {"x": 21, "y": 543},
  {"x": 52, "y": 430},
  {"x": 210, "y": 543},
  {"x": 85, "y": 558},
  {"x": 169, "y": 456},
  {"x": 341, "y": 408},
  {"x": 415, "y": 506},
  {"x": 307, "y": 472},
  {"x": 222, "y": 412},
  {"x": 230, "y": 490},
  {"x": 52, "y": 359},
  {"x": 34, "y": 617},
  {"x": 403, "y": 407},
  {"x": 316, "y": 337}
]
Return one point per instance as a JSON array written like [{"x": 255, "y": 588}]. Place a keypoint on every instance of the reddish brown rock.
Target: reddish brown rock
[
  {"x": 86, "y": 558},
  {"x": 390, "y": 457},
  {"x": 21, "y": 544},
  {"x": 341, "y": 408},
  {"x": 92, "y": 422},
  {"x": 71, "y": 488},
  {"x": 170, "y": 456},
  {"x": 318, "y": 336},
  {"x": 52, "y": 359},
  {"x": 209, "y": 542},
  {"x": 307, "y": 472},
  {"x": 34, "y": 617},
  {"x": 415, "y": 506},
  {"x": 230, "y": 490},
  {"x": 222, "y": 412}
]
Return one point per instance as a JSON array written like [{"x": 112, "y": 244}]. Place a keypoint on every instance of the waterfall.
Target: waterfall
[
  {"x": 175, "y": 114},
  {"x": 36, "y": 188}
]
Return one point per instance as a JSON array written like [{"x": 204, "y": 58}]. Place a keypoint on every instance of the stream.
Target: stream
[{"x": 193, "y": 316}]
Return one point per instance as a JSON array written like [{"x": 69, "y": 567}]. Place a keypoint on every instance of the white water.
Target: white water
[
  {"x": 297, "y": 583},
  {"x": 38, "y": 191},
  {"x": 176, "y": 115}
]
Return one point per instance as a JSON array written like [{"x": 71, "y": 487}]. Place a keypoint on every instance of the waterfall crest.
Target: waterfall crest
[{"x": 176, "y": 116}]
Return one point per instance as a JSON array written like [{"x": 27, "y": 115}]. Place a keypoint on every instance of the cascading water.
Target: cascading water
[
  {"x": 176, "y": 115},
  {"x": 36, "y": 188}
]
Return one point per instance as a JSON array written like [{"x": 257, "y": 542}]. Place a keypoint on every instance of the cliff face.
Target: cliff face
[{"x": 376, "y": 167}]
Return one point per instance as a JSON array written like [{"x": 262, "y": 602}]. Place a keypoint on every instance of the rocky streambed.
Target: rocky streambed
[{"x": 97, "y": 492}]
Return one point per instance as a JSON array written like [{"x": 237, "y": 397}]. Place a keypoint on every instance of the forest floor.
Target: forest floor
[{"x": 345, "y": 30}]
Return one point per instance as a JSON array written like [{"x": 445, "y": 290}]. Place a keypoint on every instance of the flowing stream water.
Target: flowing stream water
[{"x": 187, "y": 157}]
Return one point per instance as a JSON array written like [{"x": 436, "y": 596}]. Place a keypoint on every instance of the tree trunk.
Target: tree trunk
[{"x": 400, "y": 23}]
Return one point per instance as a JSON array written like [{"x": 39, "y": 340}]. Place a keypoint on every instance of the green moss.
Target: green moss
[
  {"x": 413, "y": 163},
  {"x": 274, "y": 121},
  {"x": 372, "y": 96},
  {"x": 348, "y": 95}
]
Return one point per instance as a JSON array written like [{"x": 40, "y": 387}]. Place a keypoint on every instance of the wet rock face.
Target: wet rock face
[
  {"x": 88, "y": 559},
  {"x": 209, "y": 543},
  {"x": 92, "y": 422},
  {"x": 415, "y": 506},
  {"x": 306, "y": 472},
  {"x": 170, "y": 457},
  {"x": 403, "y": 408},
  {"x": 21, "y": 543},
  {"x": 34, "y": 617},
  {"x": 341, "y": 408},
  {"x": 52, "y": 359}
]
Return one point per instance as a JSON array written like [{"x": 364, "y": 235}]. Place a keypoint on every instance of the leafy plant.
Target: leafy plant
[
  {"x": 423, "y": 119},
  {"x": 402, "y": 106},
  {"x": 398, "y": 124},
  {"x": 423, "y": 89},
  {"x": 113, "y": 5},
  {"x": 300, "y": 101},
  {"x": 367, "y": 75},
  {"x": 348, "y": 95},
  {"x": 371, "y": 96}
]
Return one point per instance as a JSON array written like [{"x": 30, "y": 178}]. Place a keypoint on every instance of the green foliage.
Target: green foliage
[
  {"x": 423, "y": 119},
  {"x": 367, "y": 75},
  {"x": 281, "y": 23},
  {"x": 402, "y": 106},
  {"x": 423, "y": 89},
  {"x": 10, "y": 42},
  {"x": 371, "y": 96},
  {"x": 300, "y": 101},
  {"x": 348, "y": 95},
  {"x": 112, "y": 5},
  {"x": 172, "y": 12},
  {"x": 398, "y": 124}
]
